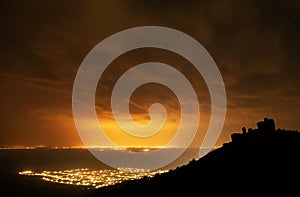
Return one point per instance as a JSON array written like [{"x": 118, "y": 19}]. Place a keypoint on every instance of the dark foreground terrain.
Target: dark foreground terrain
[{"x": 259, "y": 162}]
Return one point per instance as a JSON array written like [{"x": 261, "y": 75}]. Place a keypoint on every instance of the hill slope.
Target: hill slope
[{"x": 260, "y": 162}]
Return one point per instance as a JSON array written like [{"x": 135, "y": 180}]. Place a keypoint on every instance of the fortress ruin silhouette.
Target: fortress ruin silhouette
[{"x": 265, "y": 127}]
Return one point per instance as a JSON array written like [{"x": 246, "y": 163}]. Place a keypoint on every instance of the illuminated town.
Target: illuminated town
[{"x": 92, "y": 178}]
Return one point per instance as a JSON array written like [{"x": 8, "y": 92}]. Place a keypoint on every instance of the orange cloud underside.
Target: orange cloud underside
[{"x": 123, "y": 139}]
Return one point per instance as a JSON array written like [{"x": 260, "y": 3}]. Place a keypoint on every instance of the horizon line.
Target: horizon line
[{"x": 19, "y": 147}]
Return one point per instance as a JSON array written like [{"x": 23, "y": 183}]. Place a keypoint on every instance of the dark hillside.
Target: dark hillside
[{"x": 257, "y": 162}]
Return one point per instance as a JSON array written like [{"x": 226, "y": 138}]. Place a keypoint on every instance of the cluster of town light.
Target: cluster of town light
[{"x": 92, "y": 178}]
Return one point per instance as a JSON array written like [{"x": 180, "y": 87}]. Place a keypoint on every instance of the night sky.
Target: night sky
[{"x": 255, "y": 44}]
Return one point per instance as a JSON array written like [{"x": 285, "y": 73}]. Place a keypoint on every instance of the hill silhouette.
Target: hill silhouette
[{"x": 257, "y": 162}]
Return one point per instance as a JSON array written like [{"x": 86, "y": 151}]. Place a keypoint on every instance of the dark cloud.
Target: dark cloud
[{"x": 254, "y": 43}]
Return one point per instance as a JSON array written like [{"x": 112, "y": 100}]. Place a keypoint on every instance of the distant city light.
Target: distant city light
[{"x": 92, "y": 178}]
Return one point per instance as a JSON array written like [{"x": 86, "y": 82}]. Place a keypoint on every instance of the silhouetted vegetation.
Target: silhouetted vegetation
[{"x": 257, "y": 162}]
